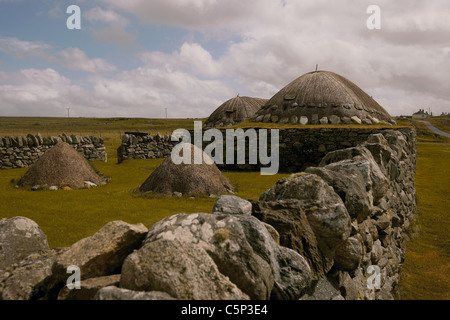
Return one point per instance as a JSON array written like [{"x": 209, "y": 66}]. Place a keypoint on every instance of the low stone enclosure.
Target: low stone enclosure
[
  {"x": 336, "y": 231},
  {"x": 20, "y": 152}
]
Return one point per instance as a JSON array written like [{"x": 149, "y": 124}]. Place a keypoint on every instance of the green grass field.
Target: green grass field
[
  {"x": 426, "y": 271},
  {"x": 67, "y": 216}
]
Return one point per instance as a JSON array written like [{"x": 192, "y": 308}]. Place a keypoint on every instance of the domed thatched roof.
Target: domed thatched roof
[
  {"x": 321, "y": 95},
  {"x": 189, "y": 179},
  {"x": 234, "y": 111},
  {"x": 61, "y": 165}
]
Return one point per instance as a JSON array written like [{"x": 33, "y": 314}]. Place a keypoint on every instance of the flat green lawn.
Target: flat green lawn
[
  {"x": 426, "y": 271},
  {"x": 67, "y": 216}
]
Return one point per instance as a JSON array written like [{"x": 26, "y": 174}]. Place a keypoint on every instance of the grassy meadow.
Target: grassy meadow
[{"x": 67, "y": 216}]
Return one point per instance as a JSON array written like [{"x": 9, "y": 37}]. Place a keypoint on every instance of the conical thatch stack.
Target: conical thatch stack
[
  {"x": 61, "y": 165},
  {"x": 187, "y": 179},
  {"x": 234, "y": 111},
  {"x": 322, "y": 97}
]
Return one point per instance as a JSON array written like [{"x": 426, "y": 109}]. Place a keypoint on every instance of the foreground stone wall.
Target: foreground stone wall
[
  {"x": 336, "y": 231},
  {"x": 298, "y": 148},
  {"x": 19, "y": 152}
]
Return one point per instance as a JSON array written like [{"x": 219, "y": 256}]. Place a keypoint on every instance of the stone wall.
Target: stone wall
[
  {"x": 298, "y": 148},
  {"x": 19, "y": 152},
  {"x": 336, "y": 231}
]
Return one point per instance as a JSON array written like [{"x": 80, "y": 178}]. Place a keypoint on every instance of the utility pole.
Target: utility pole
[
  {"x": 68, "y": 112},
  {"x": 166, "y": 112}
]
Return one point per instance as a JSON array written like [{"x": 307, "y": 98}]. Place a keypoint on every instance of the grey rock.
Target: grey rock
[
  {"x": 334, "y": 119},
  {"x": 293, "y": 119},
  {"x": 346, "y": 120},
  {"x": 356, "y": 119},
  {"x": 377, "y": 252},
  {"x": 325, "y": 211},
  {"x": 88, "y": 288},
  {"x": 349, "y": 184},
  {"x": 361, "y": 159},
  {"x": 349, "y": 288},
  {"x": 323, "y": 289},
  {"x": 323, "y": 120},
  {"x": 232, "y": 205},
  {"x": 303, "y": 120},
  {"x": 242, "y": 249},
  {"x": 32, "y": 278},
  {"x": 349, "y": 254},
  {"x": 115, "y": 293},
  {"x": 183, "y": 270},
  {"x": 19, "y": 237},
  {"x": 291, "y": 223},
  {"x": 103, "y": 253}
]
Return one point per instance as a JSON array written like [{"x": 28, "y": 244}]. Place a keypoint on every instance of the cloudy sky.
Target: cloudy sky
[{"x": 135, "y": 58}]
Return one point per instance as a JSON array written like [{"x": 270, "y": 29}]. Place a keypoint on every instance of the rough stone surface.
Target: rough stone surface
[
  {"x": 114, "y": 293},
  {"x": 291, "y": 223},
  {"x": 19, "y": 237},
  {"x": 184, "y": 270},
  {"x": 232, "y": 205},
  {"x": 103, "y": 253},
  {"x": 27, "y": 150},
  {"x": 242, "y": 249},
  {"x": 88, "y": 288},
  {"x": 32, "y": 278},
  {"x": 349, "y": 184},
  {"x": 361, "y": 159},
  {"x": 349, "y": 254},
  {"x": 324, "y": 209}
]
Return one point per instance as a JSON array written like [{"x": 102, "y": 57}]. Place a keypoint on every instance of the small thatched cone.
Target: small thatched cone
[
  {"x": 60, "y": 165},
  {"x": 188, "y": 179}
]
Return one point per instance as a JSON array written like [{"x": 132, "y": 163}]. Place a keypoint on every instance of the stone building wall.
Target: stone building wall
[
  {"x": 19, "y": 152},
  {"x": 298, "y": 148}
]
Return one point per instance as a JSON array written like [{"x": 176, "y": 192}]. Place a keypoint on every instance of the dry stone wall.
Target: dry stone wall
[
  {"x": 298, "y": 148},
  {"x": 336, "y": 231},
  {"x": 19, "y": 152}
]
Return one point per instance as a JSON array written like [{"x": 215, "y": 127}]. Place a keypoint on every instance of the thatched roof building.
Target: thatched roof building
[
  {"x": 187, "y": 179},
  {"x": 61, "y": 165},
  {"x": 234, "y": 111},
  {"x": 322, "y": 97}
]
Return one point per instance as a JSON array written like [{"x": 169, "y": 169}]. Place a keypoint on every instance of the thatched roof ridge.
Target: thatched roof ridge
[
  {"x": 323, "y": 94},
  {"x": 61, "y": 165},
  {"x": 234, "y": 111}
]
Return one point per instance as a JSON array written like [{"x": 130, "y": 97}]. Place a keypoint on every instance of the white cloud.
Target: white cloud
[
  {"x": 98, "y": 14},
  {"x": 191, "y": 57},
  {"x": 76, "y": 59},
  {"x": 20, "y": 48},
  {"x": 404, "y": 66}
]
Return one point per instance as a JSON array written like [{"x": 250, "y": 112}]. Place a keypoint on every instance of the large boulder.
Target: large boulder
[
  {"x": 19, "y": 237},
  {"x": 243, "y": 250},
  {"x": 291, "y": 223},
  {"x": 361, "y": 159},
  {"x": 324, "y": 209},
  {"x": 103, "y": 253},
  {"x": 32, "y": 278},
  {"x": 350, "y": 186},
  {"x": 182, "y": 269}
]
